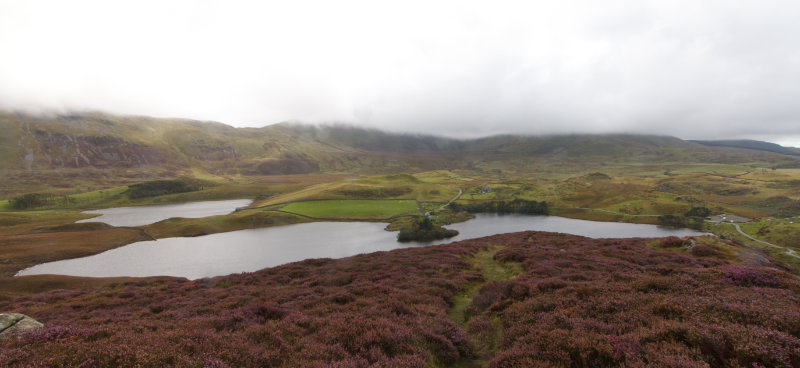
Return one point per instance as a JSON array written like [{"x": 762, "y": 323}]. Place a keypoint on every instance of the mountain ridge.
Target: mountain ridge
[
  {"x": 95, "y": 147},
  {"x": 753, "y": 145}
]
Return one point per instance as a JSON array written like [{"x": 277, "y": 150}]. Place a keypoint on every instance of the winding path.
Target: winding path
[
  {"x": 788, "y": 251},
  {"x": 452, "y": 200},
  {"x": 491, "y": 270}
]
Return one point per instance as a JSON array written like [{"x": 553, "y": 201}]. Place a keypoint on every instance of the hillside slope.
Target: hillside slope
[
  {"x": 94, "y": 150},
  {"x": 566, "y": 301},
  {"x": 753, "y": 145}
]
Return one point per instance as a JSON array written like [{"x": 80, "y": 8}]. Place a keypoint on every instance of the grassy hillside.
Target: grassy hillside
[{"x": 84, "y": 152}]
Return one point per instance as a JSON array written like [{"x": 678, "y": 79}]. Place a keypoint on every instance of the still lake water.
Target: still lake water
[
  {"x": 145, "y": 215},
  {"x": 251, "y": 250}
]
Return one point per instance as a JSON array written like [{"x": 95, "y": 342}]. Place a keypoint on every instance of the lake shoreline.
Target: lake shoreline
[{"x": 253, "y": 249}]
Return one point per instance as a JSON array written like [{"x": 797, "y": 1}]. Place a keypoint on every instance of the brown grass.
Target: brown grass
[
  {"x": 248, "y": 219},
  {"x": 21, "y": 251}
]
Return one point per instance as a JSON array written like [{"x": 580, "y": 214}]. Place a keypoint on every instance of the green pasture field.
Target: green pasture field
[{"x": 361, "y": 209}]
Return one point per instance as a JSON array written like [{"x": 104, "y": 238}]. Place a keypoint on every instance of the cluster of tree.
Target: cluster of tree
[
  {"x": 515, "y": 206},
  {"x": 681, "y": 221},
  {"x": 698, "y": 212},
  {"x": 373, "y": 192},
  {"x": 161, "y": 187},
  {"x": 425, "y": 230},
  {"x": 694, "y": 218},
  {"x": 38, "y": 200}
]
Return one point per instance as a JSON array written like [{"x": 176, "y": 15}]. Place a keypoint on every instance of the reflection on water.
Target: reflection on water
[
  {"x": 489, "y": 224},
  {"x": 145, "y": 215},
  {"x": 251, "y": 250}
]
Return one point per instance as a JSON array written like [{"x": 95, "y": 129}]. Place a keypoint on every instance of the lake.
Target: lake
[
  {"x": 251, "y": 250},
  {"x": 145, "y": 215}
]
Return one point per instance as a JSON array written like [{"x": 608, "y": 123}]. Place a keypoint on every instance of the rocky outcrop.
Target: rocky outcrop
[
  {"x": 11, "y": 323},
  {"x": 57, "y": 150}
]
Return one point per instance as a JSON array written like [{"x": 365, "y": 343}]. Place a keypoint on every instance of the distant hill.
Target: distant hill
[
  {"x": 753, "y": 145},
  {"x": 91, "y": 149}
]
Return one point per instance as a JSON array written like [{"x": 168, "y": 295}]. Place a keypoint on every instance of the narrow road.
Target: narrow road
[
  {"x": 788, "y": 251},
  {"x": 452, "y": 200}
]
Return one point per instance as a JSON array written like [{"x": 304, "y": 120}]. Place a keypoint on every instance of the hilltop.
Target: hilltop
[{"x": 81, "y": 152}]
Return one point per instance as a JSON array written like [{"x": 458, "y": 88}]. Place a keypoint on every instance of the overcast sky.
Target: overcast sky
[{"x": 692, "y": 69}]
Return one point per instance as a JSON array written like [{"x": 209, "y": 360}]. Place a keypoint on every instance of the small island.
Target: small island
[{"x": 425, "y": 230}]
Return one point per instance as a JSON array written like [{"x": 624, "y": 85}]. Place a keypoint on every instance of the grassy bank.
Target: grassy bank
[
  {"x": 247, "y": 219},
  {"x": 353, "y": 209},
  {"x": 24, "y": 250}
]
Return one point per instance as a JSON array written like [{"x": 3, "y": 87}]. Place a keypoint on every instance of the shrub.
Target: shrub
[
  {"x": 496, "y": 291},
  {"x": 681, "y": 221},
  {"x": 698, "y": 212},
  {"x": 38, "y": 200},
  {"x": 706, "y": 250},
  {"x": 425, "y": 230},
  {"x": 671, "y": 242},
  {"x": 515, "y": 206},
  {"x": 749, "y": 276}
]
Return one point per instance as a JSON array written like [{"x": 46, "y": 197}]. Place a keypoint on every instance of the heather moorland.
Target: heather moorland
[{"x": 568, "y": 301}]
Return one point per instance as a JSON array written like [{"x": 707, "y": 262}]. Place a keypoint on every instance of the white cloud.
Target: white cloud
[{"x": 695, "y": 69}]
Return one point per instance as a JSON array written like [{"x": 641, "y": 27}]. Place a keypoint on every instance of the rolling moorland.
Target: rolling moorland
[{"x": 521, "y": 299}]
